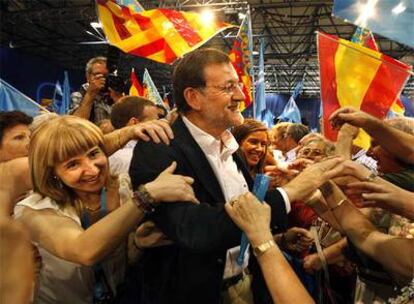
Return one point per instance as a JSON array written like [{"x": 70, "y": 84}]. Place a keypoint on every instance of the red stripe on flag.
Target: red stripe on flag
[
  {"x": 143, "y": 22},
  {"x": 327, "y": 50},
  {"x": 136, "y": 83},
  {"x": 155, "y": 47},
  {"x": 182, "y": 26},
  {"x": 384, "y": 89},
  {"x": 120, "y": 27}
]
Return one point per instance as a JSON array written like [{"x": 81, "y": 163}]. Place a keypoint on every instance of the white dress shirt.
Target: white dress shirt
[
  {"x": 232, "y": 182},
  {"x": 120, "y": 161}
]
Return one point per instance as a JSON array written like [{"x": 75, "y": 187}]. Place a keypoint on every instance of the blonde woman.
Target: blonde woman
[{"x": 79, "y": 216}]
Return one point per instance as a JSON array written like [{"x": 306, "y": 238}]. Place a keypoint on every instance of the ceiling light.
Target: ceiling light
[
  {"x": 399, "y": 8},
  {"x": 96, "y": 24},
  {"x": 207, "y": 17}
]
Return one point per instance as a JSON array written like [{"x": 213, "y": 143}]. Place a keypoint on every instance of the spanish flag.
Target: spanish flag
[
  {"x": 353, "y": 75},
  {"x": 162, "y": 35},
  {"x": 136, "y": 88},
  {"x": 242, "y": 60}
]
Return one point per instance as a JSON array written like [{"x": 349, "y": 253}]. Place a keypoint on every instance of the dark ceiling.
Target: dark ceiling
[{"x": 60, "y": 30}]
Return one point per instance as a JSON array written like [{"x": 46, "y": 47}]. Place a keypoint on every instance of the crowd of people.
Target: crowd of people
[{"x": 123, "y": 202}]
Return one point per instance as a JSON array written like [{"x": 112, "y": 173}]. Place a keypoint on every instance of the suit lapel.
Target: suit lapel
[
  {"x": 197, "y": 160},
  {"x": 241, "y": 164}
]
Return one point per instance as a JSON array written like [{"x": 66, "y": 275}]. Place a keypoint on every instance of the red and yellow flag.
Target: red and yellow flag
[
  {"x": 353, "y": 75},
  {"x": 136, "y": 89},
  {"x": 162, "y": 35},
  {"x": 241, "y": 58}
]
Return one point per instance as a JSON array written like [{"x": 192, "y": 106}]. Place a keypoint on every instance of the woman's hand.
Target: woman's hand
[
  {"x": 251, "y": 216},
  {"x": 169, "y": 187}
]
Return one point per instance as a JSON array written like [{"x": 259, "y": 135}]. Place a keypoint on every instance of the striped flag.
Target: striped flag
[
  {"x": 353, "y": 75},
  {"x": 162, "y": 35},
  {"x": 241, "y": 58},
  {"x": 136, "y": 89},
  {"x": 366, "y": 38}
]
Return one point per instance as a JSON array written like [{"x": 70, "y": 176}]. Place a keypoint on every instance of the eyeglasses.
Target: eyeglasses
[{"x": 228, "y": 88}]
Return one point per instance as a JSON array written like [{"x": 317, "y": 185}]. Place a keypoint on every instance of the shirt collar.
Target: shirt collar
[{"x": 208, "y": 143}]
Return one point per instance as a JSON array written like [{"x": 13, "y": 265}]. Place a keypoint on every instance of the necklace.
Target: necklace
[{"x": 93, "y": 209}]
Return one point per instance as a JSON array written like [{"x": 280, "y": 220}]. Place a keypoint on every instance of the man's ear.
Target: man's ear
[
  {"x": 192, "y": 96},
  {"x": 133, "y": 121}
]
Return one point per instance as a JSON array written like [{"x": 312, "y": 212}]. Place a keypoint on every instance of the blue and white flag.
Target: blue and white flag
[
  {"x": 150, "y": 90},
  {"x": 14, "y": 100},
  {"x": 291, "y": 112},
  {"x": 260, "y": 98},
  {"x": 61, "y": 96}
]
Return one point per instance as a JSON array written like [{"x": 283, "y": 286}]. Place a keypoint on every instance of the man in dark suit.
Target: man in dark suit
[{"x": 192, "y": 270}]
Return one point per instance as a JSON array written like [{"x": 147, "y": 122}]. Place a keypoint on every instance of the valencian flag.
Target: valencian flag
[
  {"x": 136, "y": 89},
  {"x": 241, "y": 58},
  {"x": 353, "y": 75},
  {"x": 150, "y": 90},
  {"x": 162, "y": 35}
]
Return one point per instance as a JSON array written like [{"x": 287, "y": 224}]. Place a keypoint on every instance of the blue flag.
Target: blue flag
[
  {"x": 14, "y": 100},
  {"x": 297, "y": 90},
  {"x": 260, "y": 98},
  {"x": 61, "y": 96},
  {"x": 291, "y": 112}
]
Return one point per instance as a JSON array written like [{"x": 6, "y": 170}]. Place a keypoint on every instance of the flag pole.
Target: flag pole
[{"x": 251, "y": 45}]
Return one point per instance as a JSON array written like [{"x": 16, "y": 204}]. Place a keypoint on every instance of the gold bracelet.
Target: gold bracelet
[
  {"x": 262, "y": 248},
  {"x": 338, "y": 205}
]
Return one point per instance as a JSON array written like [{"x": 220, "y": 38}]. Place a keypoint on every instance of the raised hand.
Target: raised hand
[
  {"x": 380, "y": 193},
  {"x": 351, "y": 116}
]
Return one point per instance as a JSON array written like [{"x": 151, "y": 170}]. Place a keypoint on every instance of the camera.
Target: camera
[{"x": 114, "y": 82}]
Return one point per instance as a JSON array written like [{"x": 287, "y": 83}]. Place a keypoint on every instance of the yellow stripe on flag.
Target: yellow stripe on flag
[
  {"x": 176, "y": 42},
  {"x": 108, "y": 25},
  {"x": 354, "y": 73},
  {"x": 355, "y": 68}
]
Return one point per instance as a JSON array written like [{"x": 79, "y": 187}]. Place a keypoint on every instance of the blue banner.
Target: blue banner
[{"x": 12, "y": 99}]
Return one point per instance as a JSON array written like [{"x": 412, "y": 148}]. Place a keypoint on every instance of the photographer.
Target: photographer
[{"x": 95, "y": 98}]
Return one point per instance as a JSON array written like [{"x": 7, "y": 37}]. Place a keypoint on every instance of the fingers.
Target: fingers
[
  {"x": 170, "y": 169},
  {"x": 141, "y": 135},
  {"x": 166, "y": 126},
  {"x": 365, "y": 186},
  {"x": 156, "y": 130},
  {"x": 155, "y": 136}
]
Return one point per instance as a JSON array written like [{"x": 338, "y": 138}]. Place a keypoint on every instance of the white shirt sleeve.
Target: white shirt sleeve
[{"x": 285, "y": 199}]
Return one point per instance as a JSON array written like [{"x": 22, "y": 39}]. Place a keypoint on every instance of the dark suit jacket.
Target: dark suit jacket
[{"x": 191, "y": 270}]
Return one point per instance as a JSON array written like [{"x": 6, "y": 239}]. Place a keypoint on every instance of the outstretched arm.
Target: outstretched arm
[
  {"x": 402, "y": 143},
  {"x": 364, "y": 235},
  {"x": 253, "y": 218}
]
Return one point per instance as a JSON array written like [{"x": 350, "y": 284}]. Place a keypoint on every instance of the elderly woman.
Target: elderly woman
[{"x": 79, "y": 216}]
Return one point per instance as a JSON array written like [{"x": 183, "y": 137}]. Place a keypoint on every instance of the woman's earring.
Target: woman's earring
[{"x": 58, "y": 182}]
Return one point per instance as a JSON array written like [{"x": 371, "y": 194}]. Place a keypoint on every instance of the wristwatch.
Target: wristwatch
[{"x": 262, "y": 248}]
